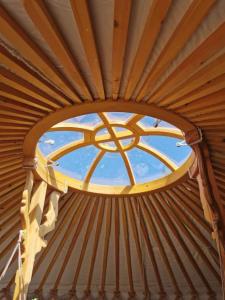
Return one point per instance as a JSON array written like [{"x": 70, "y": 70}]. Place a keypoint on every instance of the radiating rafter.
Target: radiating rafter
[
  {"x": 150, "y": 247},
  {"x": 93, "y": 166},
  {"x": 209, "y": 47},
  {"x": 157, "y": 13},
  {"x": 134, "y": 226},
  {"x": 122, "y": 11},
  {"x": 119, "y": 147},
  {"x": 82, "y": 16},
  {"x": 155, "y": 234},
  {"x": 180, "y": 238},
  {"x": 160, "y": 156},
  {"x": 28, "y": 49},
  {"x": 106, "y": 243},
  {"x": 45, "y": 23},
  {"x": 96, "y": 242},
  {"x": 74, "y": 218},
  {"x": 127, "y": 246},
  {"x": 170, "y": 243},
  {"x": 88, "y": 232},
  {"x": 192, "y": 18},
  {"x": 192, "y": 240}
]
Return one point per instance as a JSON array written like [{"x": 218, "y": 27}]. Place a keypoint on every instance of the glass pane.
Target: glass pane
[
  {"x": 145, "y": 166},
  {"x": 126, "y": 142},
  {"x": 77, "y": 163},
  {"x": 118, "y": 116},
  {"x": 167, "y": 145},
  {"x": 89, "y": 119},
  {"x": 110, "y": 145},
  {"x": 53, "y": 140},
  {"x": 111, "y": 171},
  {"x": 102, "y": 131},
  {"x": 153, "y": 122},
  {"x": 147, "y": 121}
]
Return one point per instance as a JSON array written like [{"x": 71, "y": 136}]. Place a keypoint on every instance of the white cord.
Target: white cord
[{"x": 17, "y": 248}]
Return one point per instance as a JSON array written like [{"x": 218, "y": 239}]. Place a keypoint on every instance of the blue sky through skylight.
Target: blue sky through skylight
[{"x": 111, "y": 169}]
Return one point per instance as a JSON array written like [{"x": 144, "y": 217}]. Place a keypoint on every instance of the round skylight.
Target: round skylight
[{"x": 114, "y": 149}]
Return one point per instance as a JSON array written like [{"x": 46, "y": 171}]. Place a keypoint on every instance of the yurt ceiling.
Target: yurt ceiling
[{"x": 160, "y": 58}]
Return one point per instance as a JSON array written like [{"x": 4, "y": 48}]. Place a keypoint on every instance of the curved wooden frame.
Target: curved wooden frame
[{"x": 132, "y": 129}]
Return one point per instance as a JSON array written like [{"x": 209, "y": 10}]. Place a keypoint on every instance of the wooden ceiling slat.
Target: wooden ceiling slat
[
  {"x": 96, "y": 242},
  {"x": 157, "y": 13},
  {"x": 202, "y": 104},
  {"x": 81, "y": 215},
  {"x": 201, "y": 77},
  {"x": 188, "y": 24},
  {"x": 182, "y": 228},
  {"x": 72, "y": 221},
  {"x": 19, "y": 96},
  {"x": 158, "y": 241},
  {"x": 122, "y": 11},
  {"x": 209, "y": 47},
  {"x": 187, "y": 204},
  {"x": 215, "y": 85},
  {"x": 165, "y": 233},
  {"x": 82, "y": 17},
  {"x": 88, "y": 232},
  {"x": 127, "y": 246},
  {"x": 10, "y": 231},
  {"x": 106, "y": 242},
  {"x": 192, "y": 227},
  {"x": 9, "y": 104},
  {"x": 150, "y": 251},
  {"x": 190, "y": 238},
  {"x": 179, "y": 237},
  {"x": 11, "y": 186},
  {"x": 134, "y": 227},
  {"x": 72, "y": 201},
  {"x": 28, "y": 49},
  {"x": 44, "y": 22},
  {"x": 117, "y": 244},
  {"x": 26, "y": 87},
  {"x": 12, "y": 280}
]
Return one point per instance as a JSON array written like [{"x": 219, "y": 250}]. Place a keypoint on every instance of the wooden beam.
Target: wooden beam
[
  {"x": 209, "y": 47},
  {"x": 91, "y": 222},
  {"x": 29, "y": 50},
  {"x": 152, "y": 257},
  {"x": 106, "y": 243},
  {"x": 157, "y": 13},
  {"x": 127, "y": 246},
  {"x": 32, "y": 215},
  {"x": 117, "y": 243},
  {"x": 192, "y": 18},
  {"x": 44, "y": 22},
  {"x": 170, "y": 242},
  {"x": 211, "y": 201},
  {"x": 158, "y": 241},
  {"x": 82, "y": 17},
  {"x": 122, "y": 10}
]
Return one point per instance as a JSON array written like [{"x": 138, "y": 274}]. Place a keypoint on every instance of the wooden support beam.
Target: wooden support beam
[
  {"x": 33, "y": 232},
  {"x": 211, "y": 200}
]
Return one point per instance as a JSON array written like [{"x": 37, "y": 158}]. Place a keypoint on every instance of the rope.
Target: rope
[{"x": 17, "y": 248}]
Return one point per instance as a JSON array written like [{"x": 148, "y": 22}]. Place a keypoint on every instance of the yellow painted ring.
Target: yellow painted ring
[{"x": 59, "y": 180}]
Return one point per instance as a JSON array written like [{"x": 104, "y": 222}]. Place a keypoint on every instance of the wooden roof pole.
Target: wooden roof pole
[
  {"x": 210, "y": 197},
  {"x": 33, "y": 232}
]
